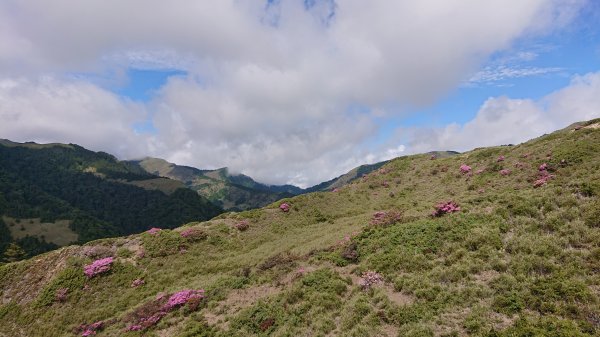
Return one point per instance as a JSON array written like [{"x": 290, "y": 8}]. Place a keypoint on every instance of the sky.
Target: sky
[{"x": 297, "y": 91}]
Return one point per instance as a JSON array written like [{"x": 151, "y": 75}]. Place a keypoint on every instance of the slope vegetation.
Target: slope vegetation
[
  {"x": 44, "y": 187},
  {"x": 500, "y": 241}
]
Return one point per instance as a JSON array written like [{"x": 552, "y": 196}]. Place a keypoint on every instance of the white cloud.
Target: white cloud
[
  {"x": 49, "y": 110},
  {"x": 502, "y": 120},
  {"x": 270, "y": 88}
]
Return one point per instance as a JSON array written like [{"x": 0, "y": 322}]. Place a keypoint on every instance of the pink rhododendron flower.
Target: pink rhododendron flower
[
  {"x": 501, "y": 158},
  {"x": 135, "y": 327},
  {"x": 242, "y": 225},
  {"x": 433, "y": 157},
  {"x": 284, "y": 207},
  {"x": 369, "y": 279},
  {"x": 543, "y": 167},
  {"x": 153, "y": 230},
  {"x": 544, "y": 176},
  {"x": 385, "y": 218},
  {"x": 505, "y": 172},
  {"x": 182, "y": 297},
  {"x": 465, "y": 168},
  {"x": 446, "y": 208},
  {"x": 98, "y": 267}
]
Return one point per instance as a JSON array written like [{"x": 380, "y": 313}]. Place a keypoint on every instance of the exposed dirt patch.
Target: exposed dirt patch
[
  {"x": 485, "y": 276},
  {"x": 592, "y": 126},
  {"x": 236, "y": 301},
  {"x": 396, "y": 297},
  {"x": 38, "y": 272}
]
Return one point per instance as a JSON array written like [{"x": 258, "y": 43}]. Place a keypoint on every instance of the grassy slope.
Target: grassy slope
[{"x": 515, "y": 261}]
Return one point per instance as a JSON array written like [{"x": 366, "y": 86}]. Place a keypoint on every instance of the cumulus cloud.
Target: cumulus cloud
[
  {"x": 50, "y": 110},
  {"x": 502, "y": 120},
  {"x": 273, "y": 86}
]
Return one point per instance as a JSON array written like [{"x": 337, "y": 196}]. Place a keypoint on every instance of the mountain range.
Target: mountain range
[
  {"x": 497, "y": 241},
  {"x": 52, "y": 195}
]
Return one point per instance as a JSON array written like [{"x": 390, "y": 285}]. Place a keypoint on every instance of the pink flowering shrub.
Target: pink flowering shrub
[
  {"x": 242, "y": 225},
  {"x": 152, "y": 312},
  {"x": 445, "y": 208},
  {"x": 284, "y": 207},
  {"x": 385, "y": 184},
  {"x": 433, "y": 157},
  {"x": 153, "y": 230},
  {"x": 134, "y": 327},
  {"x": 543, "y": 178},
  {"x": 137, "y": 282},
  {"x": 465, "y": 168},
  {"x": 182, "y": 297},
  {"x": 505, "y": 172},
  {"x": 194, "y": 234},
  {"x": 385, "y": 218},
  {"x": 91, "y": 329},
  {"x": 369, "y": 279},
  {"x": 519, "y": 165},
  {"x": 501, "y": 158},
  {"x": 543, "y": 167},
  {"x": 98, "y": 267}
]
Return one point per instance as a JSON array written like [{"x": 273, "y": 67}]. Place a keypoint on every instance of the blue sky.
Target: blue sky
[{"x": 293, "y": 91}]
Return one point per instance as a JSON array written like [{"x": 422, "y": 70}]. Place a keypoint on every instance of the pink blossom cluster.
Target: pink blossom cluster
[
  {"x": 98, "y": 267},
  {"x": 464, "y": 168},
  {"x": 505, "y": 172},
  {"x": 501, "y": 158},
  {"x": 369, "y": 279},
  {"x": 433, "y": 157},
  {"x": 383, "y": 171},
  {"x": 153, "y": 230},
  {"x": 134, "y": 327},
  {"x": 182, "y": 297},
  {"x": 242, "y": 225},
  {"x": 446, "y": 208},
  {"x": 382, "y": 218},
  {"x": 90, "y": 330},
  {"x": 152, "y": 316},
  {"x": 284, "y": 207},
  {"x": 137, "y": 282},
  {"x": 385, "y": 184},
  {"x": 543, "y": 178},
  {"x": 543, "y": 167},
  {"x": 193, "y": 234},
  {"x": 519, "y": 165}
]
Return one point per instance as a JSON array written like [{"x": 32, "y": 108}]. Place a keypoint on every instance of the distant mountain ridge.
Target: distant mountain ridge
[
  {"x": 83, "y": 195},
  {"x": 236, "y": 192}
]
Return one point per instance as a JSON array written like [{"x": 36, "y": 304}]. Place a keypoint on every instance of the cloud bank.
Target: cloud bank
[{"x": 284, "y": 91}]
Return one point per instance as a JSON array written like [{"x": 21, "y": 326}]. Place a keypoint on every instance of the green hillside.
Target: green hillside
[
  {"x": 500, "y": 241},
  {"x": 55, "y": 194}
]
